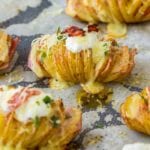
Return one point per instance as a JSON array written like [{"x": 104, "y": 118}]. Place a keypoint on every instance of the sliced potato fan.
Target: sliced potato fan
[
  {"x": 80, "y": 56},
  {"x": 109, "y": 11}
]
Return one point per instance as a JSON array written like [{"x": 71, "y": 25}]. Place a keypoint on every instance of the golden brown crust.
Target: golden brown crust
[
  {"x": 109, "y": 10},
  {"x": 135, "y": 111},
  {"x": 8, "y": 46}
]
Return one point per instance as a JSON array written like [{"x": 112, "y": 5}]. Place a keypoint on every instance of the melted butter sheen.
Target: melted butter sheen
[
  {"x": 79, "y": 43},
  {"x": 137, "y": 146}
]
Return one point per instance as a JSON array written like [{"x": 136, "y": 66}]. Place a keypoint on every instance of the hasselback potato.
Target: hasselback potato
[
  {"x": 31, "y": 119},
  {"x": 128, "y": 11},
  {"x": 77, "y": 55}
]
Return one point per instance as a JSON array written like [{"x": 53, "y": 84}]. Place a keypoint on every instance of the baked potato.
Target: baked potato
[
  {"x": 8, "y": 53},
  {"x": 135, "y": 111},
  {"x": 31, "y": 119},
  {"x": 77, "y": 55},
  {"x": 110, "y": 11}
]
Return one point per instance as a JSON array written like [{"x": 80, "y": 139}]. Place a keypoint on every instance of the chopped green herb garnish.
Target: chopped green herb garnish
[
  {"x": 36, "y": 121},
  {"x": 58, "y": 30},
  {"x": 43, "y": 55},
  {"x": 106, "y": 52},
  {"x": 60, "y": 36},
  {"x": 55, "y": 121},
  {"x": 99, "y": 126},
  {"x": 105, "y": 44},
  {"x": 47, "y": 100},
  {"x": 105, "y": 47},
  {"x": 37, "y": 102}
]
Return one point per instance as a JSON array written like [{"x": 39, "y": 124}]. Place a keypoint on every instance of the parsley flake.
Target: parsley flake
[
  {"x": 36, "y": 121},
  {"x": 60, "y": 36},
  {"x": 47, "y": 100},
  {"x": 43, "y": 56},
  {"x": 58, "y": 30},
  {"x": 106, "y": 52},
  {"x": 99, "y": 126},
  {"x": 37, "y": 102},
  {"x": 55, "y": 121}
]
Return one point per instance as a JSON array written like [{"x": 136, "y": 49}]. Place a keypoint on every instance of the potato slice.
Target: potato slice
[
  {"x": 120, "y": 66},
  {"x": 93, "y": 87},
  {"x": 116, "y": 29}
]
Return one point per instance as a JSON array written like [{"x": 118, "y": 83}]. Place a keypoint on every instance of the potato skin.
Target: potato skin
[
  {"x": 109, "y": 10},
  {"x": 81, "y": 67},
  {"x": 135, "y": 111}
]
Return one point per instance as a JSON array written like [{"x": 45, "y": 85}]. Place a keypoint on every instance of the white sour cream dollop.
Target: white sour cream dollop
[
  {"x": 34, "y": 107},
  {"x": 137, "y": 146},
  {"x": 78, "y": 43}
]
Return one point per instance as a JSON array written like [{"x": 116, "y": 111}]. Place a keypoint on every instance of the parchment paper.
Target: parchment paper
[{"x": 30, "y": 18}]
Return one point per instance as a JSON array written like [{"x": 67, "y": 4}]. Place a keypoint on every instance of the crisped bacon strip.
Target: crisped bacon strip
[
  {"x": 92, "y": 28},
  {"x": 74, "y": 31},
  {"x": 22, "y": 96}
]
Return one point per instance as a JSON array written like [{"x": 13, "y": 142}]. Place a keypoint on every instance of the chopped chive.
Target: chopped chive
[
  {"x": 37, "y": 102},
  {"x": 55, "y": 121},
  {"x": 58, "y": 30},
  {"x": 47, "y": 100},
  {"x": 105, "y": 44},
  {"x": 60, "y": 37},
  {"x": 36, "y": 121},
  {"x": 106, "y": 53},
  {"x": 43, "y": 55},
  {"x": 99, "y": 126}
]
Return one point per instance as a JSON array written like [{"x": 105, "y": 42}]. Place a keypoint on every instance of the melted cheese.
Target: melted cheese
[
  {"x": 79, "y": 43},
  {"x": 117, "y": 30},
  {"x": 137, "y": 146},
  {"x": 46, "y": 41}
]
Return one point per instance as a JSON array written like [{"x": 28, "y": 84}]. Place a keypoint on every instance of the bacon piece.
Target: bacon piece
[
  {"x": 22, "y": 96},
  {"x": 92, "y": 28},
  {"x": 74, "y": 31}
]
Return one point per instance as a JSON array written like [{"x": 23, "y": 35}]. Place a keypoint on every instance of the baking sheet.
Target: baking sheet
[{"x": 103, "y": 128}]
